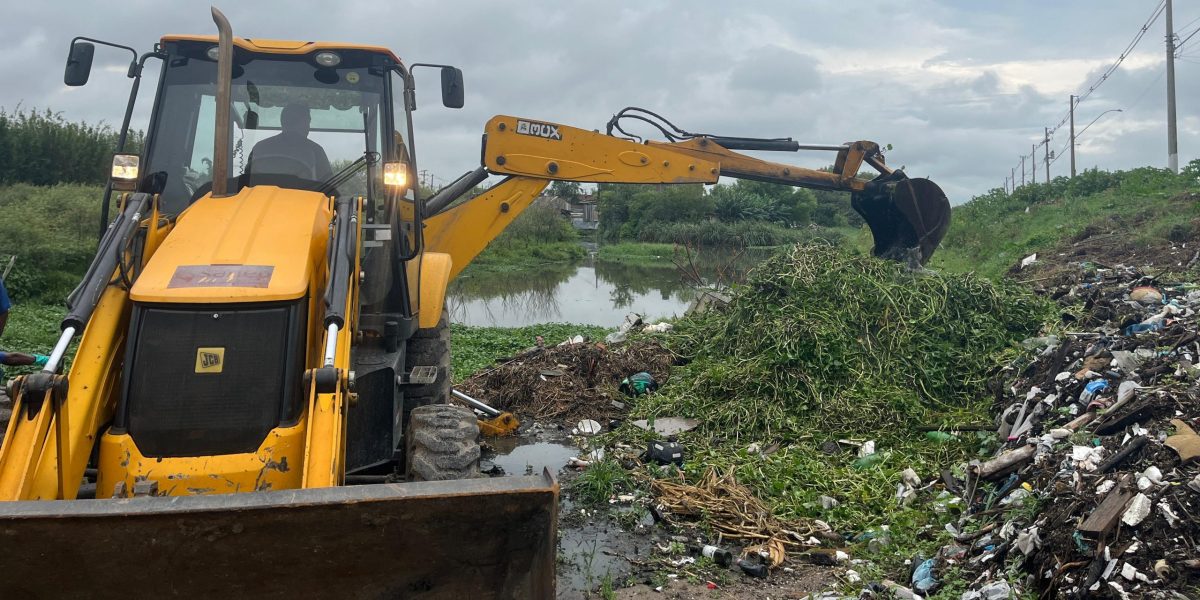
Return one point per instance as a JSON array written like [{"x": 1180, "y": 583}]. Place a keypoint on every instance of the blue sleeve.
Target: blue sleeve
[{"x": 5, "y": 303}]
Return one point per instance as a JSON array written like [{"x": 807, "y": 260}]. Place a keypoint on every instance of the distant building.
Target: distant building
[{"x": 581, "y": 211}]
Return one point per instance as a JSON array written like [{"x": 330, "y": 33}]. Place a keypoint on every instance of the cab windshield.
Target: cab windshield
[{"x": 295, "y": 122}]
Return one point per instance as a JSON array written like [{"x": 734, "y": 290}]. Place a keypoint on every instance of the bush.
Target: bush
[
  {"x": 742, "y": 233},
  {"x": 540, "y": 223},
  {"x": 43, "y": 148}
]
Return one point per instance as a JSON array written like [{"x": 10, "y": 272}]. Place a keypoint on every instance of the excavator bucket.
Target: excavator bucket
[
  {"x": 904, "y": 214},
  {"x": 477, "y": 538}
]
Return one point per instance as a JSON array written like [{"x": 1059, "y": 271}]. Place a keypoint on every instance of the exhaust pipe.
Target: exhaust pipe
[{"x": 224, "y": 131}]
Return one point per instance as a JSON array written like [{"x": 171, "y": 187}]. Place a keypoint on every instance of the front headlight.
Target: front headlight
[
  {"x": 125, "y": 172},
  {"x": 395, "y": 174}
]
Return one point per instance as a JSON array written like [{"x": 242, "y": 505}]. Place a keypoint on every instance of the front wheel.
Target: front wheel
[{"x": 443, "y": 443}]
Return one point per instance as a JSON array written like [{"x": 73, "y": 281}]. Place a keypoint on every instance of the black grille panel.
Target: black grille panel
[{"x": 209, "y": 382}]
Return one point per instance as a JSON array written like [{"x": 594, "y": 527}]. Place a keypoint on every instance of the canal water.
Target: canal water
[{"x": 592, "y": 292}]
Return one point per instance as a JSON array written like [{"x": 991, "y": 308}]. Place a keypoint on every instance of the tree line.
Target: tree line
[
  {"x": 40, "y": 147},
  {"x": 764, "y": 211}
]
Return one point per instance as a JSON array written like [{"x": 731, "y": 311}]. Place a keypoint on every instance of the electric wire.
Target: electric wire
[{"x": 1103, "y": 77}]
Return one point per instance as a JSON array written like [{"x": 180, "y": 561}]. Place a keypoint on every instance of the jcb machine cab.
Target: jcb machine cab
[
  {"x": 257, "y": 403},
  {"x": 262, "y": 317}
]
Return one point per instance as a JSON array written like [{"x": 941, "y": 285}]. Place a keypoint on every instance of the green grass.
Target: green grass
[
  {"x": 53, "y": 232},
  {"x": 475, "y": 348},
  {"x": 520, "y": 254},
  {"x": 1143, "y": 206},
  {"x": 538, "y": 236},
  {"x": 602, "y": 480},
  {"x": 32, "y": 328}
]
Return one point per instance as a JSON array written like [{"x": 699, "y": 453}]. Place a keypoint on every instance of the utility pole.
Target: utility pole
[
  {"x": 1033, "y": 163},
  {"x": 1072, "y": 135},
  {"x": 1172, "y": 139},
  {"x": 1013, "y": 179},
  {"x": 1046, "y": 141},
  {"x": 1022, "y": 171}
]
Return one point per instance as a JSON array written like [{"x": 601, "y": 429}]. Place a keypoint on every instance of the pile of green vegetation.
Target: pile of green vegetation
[
  {"x": 1145, "y": 208},
  {"x": 822, "y": 344}
]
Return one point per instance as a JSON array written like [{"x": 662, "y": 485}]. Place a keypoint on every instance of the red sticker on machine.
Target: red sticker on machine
[{"x": 201, "y": 276}]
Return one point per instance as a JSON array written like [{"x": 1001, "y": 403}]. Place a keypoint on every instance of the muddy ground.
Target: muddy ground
[{"x": 620, "y": 546}]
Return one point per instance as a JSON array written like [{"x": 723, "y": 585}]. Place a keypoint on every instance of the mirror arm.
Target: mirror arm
[
  {"x": 122, "y": 136},
  {"x": 134, "y": 66}
]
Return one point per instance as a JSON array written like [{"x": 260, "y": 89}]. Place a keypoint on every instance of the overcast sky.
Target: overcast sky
[{"x": 960, "y": 89}]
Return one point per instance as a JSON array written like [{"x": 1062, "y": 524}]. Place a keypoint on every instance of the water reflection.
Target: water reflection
[{"x": 592, "y": 292}]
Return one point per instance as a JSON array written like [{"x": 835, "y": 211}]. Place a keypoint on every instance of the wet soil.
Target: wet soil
[{"x": 801, "y": 582}]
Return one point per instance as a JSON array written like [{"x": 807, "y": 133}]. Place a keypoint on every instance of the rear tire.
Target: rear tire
[{"x": 442, "y": 443}]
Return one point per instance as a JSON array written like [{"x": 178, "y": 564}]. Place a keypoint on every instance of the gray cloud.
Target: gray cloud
[{"x": 960, "y": 89}]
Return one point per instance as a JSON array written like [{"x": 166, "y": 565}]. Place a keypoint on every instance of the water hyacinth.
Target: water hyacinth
[{"x": 818, "y": 333}]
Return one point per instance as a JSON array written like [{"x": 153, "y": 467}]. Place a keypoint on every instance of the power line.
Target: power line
[
  {"x": 1158, "y": 10},
  {"x": 1137, "y": 38},
  {"x": 1148, "y": 87}
]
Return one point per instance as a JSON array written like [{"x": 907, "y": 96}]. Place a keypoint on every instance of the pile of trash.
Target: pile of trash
[
  {"x": 1095, "y": 490},
  {"x": 576, "y": 380}
]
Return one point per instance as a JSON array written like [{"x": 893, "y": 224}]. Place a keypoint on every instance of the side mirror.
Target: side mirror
[
  {"x": 452, "y": 87},
  {"x": 79, "y": 64}
]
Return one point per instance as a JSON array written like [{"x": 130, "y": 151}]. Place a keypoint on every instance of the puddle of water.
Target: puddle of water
[
  {"x": 518, "y": 459},
  {"x": 592, "y": 550}
]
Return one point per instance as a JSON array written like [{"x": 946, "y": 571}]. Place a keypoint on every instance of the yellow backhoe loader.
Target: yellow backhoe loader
[{"x": 258, "y": 401}]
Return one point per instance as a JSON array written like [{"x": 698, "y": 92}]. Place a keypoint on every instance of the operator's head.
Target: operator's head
[{"x": 295, "y": 119}]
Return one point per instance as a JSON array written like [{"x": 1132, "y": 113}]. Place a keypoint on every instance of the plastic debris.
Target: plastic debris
[
  {"x": 996, "y": 590},
  {"x": 588, "y": 427},
  {"x": 923, "y": 579},
  {"x": 665, "y": 453},
  {"x": 1138, "y": 510},
  {"x": 1146, "y": 295},
  {"x": 638, "y": 384},
  {"x": 667, "y": 425}
]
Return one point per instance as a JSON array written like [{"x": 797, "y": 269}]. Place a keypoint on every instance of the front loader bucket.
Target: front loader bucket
[
  {"x": 477, "y": 538},
  {"x": 904, "y": 214}
]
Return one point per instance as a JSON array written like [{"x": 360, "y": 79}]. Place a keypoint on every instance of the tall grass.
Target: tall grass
[
  {"x": 53, "y": 233},
  {"x": 1146, "y": 206}
]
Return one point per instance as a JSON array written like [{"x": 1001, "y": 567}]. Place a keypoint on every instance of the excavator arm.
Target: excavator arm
[{"x": 907, "y": 216}]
